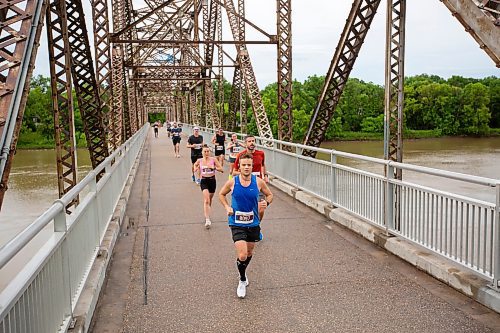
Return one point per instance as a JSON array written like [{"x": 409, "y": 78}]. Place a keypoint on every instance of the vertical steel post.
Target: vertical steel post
[
  {"x": 394, "y": 85},
  {"x": 284, "y": 69}
]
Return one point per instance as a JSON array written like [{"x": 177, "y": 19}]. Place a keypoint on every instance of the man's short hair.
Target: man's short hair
[
  {"x": 249, "y": 136},
  {"x": 246, "y": 155}
]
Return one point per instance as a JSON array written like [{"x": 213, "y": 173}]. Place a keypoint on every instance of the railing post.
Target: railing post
[
  {"x": 333, "y": 178},
  {"x": 389, "y": 199},
  {"x": 496, "y": 252},
  {"x": 298, "y": 153}
]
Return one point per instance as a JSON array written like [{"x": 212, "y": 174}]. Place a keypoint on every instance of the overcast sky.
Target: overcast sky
[{"x": 436, "y": 43}]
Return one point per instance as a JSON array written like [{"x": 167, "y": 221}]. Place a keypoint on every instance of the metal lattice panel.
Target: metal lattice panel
[
  {"x": 285, "y": 70},
  {"x": 249, "y": 76},
  {"x": 20, "y": 28},
  {"x": 62, "y": 95},
  {"x": 84, "y": 79},
  {"x": 357, "y": 25}
]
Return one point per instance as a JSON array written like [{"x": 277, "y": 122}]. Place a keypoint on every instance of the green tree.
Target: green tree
[{"x": 476, "y": 100}]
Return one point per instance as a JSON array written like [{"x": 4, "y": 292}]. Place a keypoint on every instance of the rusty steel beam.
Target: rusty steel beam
[
  {"x": 62, "y": 96},
  {"x": 481, "y": 19},
  {"x": 284, "y": 23},
  {"x": 351, "y": 40},
  {"x": 394, "y": 98},
  {"x": 102, "y": 49},
  {"x": 84, "y": 79},
  {"x": 20, "y": 37},
  {"x": 249, "y": 76}
]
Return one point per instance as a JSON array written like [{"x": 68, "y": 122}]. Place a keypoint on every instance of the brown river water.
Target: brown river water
[{"x": 33, "y": 184}]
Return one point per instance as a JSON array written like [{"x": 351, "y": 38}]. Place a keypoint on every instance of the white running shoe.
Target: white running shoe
[
  {"x": 208, "y": 223},
  {"x": 241, "y": 291},
  {"x": 246, "y": 280}
]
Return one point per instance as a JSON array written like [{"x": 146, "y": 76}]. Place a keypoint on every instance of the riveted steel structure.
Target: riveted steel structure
[
  {"x": 354, "y": 33},
  {"x": 161, "y": 57},
  {"x": 62, "y": 96},
  {"x": 284, "y": 70}
]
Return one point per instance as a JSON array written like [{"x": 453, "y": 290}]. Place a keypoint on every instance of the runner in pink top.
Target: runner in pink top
[{"x": 206, "y": 167}]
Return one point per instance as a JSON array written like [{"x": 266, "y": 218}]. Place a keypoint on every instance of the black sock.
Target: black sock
[
  {"x": 248, "y": 260},
  {"x": 242, "y": 266}
]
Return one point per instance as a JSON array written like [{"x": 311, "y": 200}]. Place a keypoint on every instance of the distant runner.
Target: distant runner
[
  {"x": 234, "y": 148},
  {"x": 176, "y": 139},
  {"x": 219, "y": 141}
]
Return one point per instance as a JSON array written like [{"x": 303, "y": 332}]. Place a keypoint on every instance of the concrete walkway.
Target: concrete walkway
[{"x": 170, "y": 274}]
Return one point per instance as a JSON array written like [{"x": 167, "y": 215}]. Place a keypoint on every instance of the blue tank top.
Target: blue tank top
[{"x": 245, "y": 202}]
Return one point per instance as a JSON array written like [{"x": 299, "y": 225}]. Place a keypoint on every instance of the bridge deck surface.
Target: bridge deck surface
[{"x": 308, "y": 274}]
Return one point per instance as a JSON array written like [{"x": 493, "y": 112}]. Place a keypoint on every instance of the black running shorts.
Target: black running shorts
[
  {"x": 220, "y": 152},
  {"x": 208, "y": 183},
  {"x": 247, "y": 234},
  {"x": 176, "y": 140},
  {"x": 195, "y": 158}
]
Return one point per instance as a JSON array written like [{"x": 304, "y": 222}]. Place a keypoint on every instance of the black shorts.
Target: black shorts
[
  {"x": 219, "y": 152},
  {"x": 208, "y": 183},
  {"x": 176, "y": 140},
  {"x": 247, "y": 234},
  {"x": 195, "y": 158}
]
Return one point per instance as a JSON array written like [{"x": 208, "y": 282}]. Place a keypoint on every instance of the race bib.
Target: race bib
[
  {"x": 236, "y": 149},
  {"x": 197, "y": 146},
  {"x": 175, "y": 134},
  {"x": 243, "y": 217},
  {"x": 219, "y": 148},
  {"x": 206, "y": 170},
  {"x": 256, "y": 173}
]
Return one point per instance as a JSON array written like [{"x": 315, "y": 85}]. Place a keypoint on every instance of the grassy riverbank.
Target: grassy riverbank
[{"x": 35, "y": 140}]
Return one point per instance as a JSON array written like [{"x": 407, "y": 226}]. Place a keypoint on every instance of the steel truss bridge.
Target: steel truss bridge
[{"x": 166, "y": 57}]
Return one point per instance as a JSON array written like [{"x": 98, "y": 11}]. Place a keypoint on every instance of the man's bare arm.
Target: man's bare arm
[{"x": 226, "y": 188}]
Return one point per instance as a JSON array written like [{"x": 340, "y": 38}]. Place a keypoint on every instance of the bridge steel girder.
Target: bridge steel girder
[
  {"x": 393, "y": 105},
  {"x": 285, "y": 117},
  {"x": 249, "y": 76},
  {"x": 62, "y": 96},
  {"x": 20, "y": 39},
  {"x": 351, "y": 40},
  {"x": 84, "y": 79},
  {"x": 394, "y": 81},
  {"x": 482, "y": 21},
  {"x": 102, "y": 49}
]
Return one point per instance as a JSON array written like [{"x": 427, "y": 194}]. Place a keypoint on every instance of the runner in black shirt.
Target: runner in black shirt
[
  {"x": 219, "y": 140},
  {"x": 195, "y": 142}
]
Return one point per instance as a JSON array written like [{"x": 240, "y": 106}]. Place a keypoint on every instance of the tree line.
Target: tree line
[
  {"x": 433, "y": 106},
  {"x": 456, "y": 106}
]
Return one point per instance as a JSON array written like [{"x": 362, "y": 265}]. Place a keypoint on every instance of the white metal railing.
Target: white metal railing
[
  {"x": 461, "y": 228},
  {"x": 42, "y": 296}
]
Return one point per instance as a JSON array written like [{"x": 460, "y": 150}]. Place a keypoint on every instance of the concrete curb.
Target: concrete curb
[
  {"x": 86, "y": 304},
  {"x": 447, "y": 271}
]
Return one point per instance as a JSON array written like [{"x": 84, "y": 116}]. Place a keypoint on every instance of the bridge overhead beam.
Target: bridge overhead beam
[{"x": 481, "y": 21}]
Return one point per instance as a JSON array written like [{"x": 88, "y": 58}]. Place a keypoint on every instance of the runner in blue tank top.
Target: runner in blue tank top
[{"x": 243, "y": 214}]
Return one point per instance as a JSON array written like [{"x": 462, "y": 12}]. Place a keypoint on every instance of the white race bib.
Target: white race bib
[
  {"x": 219, "y": 148},
  {"x": 243, "y": 217},
  {"x": 256, "y": 173},
  {"x": 197, "y": 146},
  {"x": 236, "y": 149}
]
